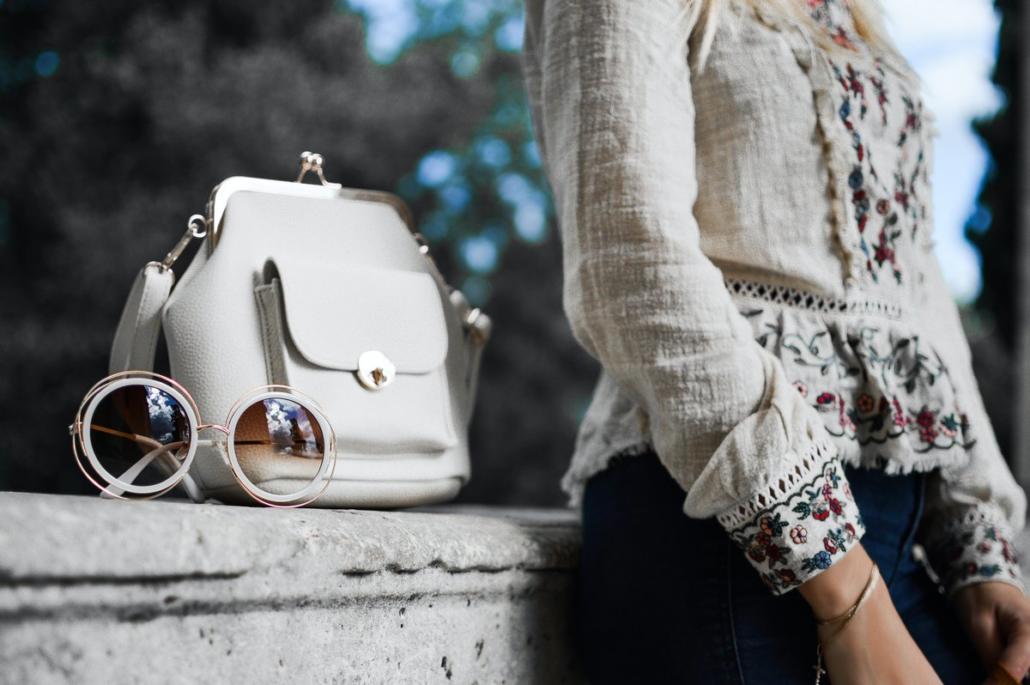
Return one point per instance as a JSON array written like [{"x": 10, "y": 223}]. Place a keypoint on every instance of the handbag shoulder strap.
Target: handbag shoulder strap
[{"x": 135, "y": 339}]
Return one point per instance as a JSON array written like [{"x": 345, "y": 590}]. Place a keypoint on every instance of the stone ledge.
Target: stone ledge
[
  {"x": 110, "y": 591},
  {"x": 93, "y": 591},
  {"x": 163, "y": 538}
]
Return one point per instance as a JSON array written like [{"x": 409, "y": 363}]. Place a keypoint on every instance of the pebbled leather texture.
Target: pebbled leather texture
[{"x": 351, "y": 277}]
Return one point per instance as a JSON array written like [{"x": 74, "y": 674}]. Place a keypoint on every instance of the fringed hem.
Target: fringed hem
[
  {"x": 896, "y": 467},
  {"x": 581, "y": 470},
  {"x": 882, "y": 389}
]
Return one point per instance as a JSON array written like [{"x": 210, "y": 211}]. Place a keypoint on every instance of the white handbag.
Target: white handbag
[{"x": 328, "y": 290}]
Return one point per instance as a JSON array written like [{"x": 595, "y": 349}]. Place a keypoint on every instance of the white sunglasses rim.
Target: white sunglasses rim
[{"x": 100, "y": 390}]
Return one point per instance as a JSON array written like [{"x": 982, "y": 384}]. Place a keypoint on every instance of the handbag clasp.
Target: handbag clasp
[
  {"x": 375, "y": 370},
  {"x": 312, "y": 161}
]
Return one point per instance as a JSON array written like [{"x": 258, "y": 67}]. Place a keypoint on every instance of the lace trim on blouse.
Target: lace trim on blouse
[
  {"x": 811, "y": 301},
  {"x": 795, "y": 529}
]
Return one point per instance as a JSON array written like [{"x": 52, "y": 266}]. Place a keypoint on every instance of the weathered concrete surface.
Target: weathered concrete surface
[{"x": 96, "y": 591}]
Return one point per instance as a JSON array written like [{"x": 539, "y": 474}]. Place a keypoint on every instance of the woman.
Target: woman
[{"x": 743, "y": 192}]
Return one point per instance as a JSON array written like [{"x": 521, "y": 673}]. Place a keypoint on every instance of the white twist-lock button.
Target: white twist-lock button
[{"x": 375, "y": 370}]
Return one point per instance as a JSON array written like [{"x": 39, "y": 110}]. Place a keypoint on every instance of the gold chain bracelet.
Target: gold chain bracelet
[{"x": 843, "y": 619}]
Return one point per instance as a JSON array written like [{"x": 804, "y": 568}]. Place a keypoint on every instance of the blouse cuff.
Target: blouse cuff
[
  {"x": 973, "y": 548},
  {"x": 800, "y": 525}
]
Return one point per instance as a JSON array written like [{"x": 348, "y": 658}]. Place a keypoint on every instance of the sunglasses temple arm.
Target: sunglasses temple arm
[
  {"x": 132, "y": 473},
  {"x": 191, "y": 488},
  {"x": 189, "y": 485}
]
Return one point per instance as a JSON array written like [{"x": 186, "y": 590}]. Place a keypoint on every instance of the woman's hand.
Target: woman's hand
[
  {"x": 874, "y": 646},
  {"x": 997, "y": 617}
]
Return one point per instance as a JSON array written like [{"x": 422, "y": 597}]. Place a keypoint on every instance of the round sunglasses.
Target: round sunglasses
[{"x": 136, "y": 434}]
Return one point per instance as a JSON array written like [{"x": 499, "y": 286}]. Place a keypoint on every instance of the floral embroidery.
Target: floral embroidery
[
  {"x": 884, "y": 195},
  {"x": 876, "y": 385},
  {"x": 872, "y": 386},
  {"x": 829, "y": 14},
  {"x": 802, "y": 533},
  {"x": 877, "y": 79},
  {"x": 881, "y": 420},
  {"x": 863, "y": 179},
  {"x": 973, "y": 551}
]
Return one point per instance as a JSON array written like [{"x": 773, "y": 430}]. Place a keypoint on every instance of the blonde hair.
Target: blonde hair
[{"x": 867, "y": 14}]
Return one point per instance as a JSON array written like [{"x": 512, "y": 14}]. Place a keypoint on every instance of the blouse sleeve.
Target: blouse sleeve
[
  {"x": 610, "y": 95},
  {"x": 973, "y": 510}
]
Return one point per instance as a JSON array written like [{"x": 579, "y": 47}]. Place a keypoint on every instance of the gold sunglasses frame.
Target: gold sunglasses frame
[{"x": 81, "y": 449}]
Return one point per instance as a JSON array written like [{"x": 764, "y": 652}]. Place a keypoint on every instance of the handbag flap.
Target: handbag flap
[{"x": 335, "y": 311}]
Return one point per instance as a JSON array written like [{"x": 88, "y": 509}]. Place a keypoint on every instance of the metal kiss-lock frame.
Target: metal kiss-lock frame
[
  {"x": 115, "y": 487},
  {"x": 474, "y": 321}
]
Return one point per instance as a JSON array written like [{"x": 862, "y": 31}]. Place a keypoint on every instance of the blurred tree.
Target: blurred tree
[
  {"x": 994, "y": 225},
  {"x": 994, "y": 228},
  {"x": 117, "y": 118}
]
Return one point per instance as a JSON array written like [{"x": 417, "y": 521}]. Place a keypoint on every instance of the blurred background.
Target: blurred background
[{"x": 118, "y": 116}]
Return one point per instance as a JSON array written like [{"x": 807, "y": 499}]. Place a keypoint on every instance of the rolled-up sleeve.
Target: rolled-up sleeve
[
  {"x": 610, "y": 95},
  {"x": 975, "y": 508}
]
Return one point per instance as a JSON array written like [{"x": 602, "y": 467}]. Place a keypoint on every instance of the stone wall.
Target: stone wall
[{"x": 95, "y": 591}]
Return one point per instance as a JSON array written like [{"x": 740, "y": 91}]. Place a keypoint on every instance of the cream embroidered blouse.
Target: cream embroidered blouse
[{"x": 748, "y": 252}]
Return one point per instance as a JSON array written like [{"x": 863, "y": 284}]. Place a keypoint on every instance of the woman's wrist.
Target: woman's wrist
[{"x": 834, "y": 590}]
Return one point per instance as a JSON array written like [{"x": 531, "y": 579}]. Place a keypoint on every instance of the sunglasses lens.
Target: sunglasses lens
[
  {"x": 139, "y": 436},
  {"x": 281, "y": 449}
]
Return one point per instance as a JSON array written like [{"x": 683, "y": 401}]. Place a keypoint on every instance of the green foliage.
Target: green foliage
[
  {"x": 116, "y": 119},
  {"x": 478, "y": 196}
]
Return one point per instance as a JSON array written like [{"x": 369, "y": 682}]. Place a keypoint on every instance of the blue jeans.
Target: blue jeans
[{"x": 664, "y": 598}]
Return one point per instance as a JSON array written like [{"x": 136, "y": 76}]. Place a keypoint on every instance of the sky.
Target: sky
[{"x": 951, "y": 43}]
